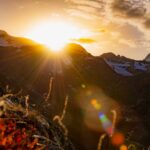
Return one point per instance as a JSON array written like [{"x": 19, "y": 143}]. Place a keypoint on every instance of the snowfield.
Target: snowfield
[{"x": 126, "y": 68}]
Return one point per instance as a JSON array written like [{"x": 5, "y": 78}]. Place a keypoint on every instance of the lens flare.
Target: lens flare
[
  {"x": 83, "y": 86},
  {"x": 95, "y": 104},
  {"x": 96, "y": 107},
  {"x": 123, "y": 147},
  {"x": 118, "y": 139},
  {"x": 106, "y": 123}
]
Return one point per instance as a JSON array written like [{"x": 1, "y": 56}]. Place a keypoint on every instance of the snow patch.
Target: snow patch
[
  {"x": 120, "y": 68},
  {"x": 3, "y": 42},
  {"x": 122, "y": 71},
  {"x": 140, "y": 66}
]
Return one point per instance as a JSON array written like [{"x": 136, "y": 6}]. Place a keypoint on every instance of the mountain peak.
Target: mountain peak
[
  {"x": 147, "y": 58},
  {"x": 3, "y": 33},
  {"x": 75, "y": 49},
  {"x": 8, "y": 40},
  {"x": 108, "y": 55},
  {"x": 112, "y": 56}
]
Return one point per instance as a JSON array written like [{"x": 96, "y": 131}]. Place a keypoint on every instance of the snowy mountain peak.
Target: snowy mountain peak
[{"x": 126, "y": 67}]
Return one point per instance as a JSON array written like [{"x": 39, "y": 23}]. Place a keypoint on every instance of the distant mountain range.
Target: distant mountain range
[
  {"x": 28, "y": 66},
  {"x": 125, "y": 66}
]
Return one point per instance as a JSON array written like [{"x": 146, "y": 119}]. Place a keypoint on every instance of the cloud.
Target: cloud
[
  {"x": 147, "y": 22},
  {"x": 90, "y": 8},
  {"x": 135, "y": 12},
  {"x": 129, "y": 43},
  {"x": 84, "y": 40},
  {"x": 129, "y": 8},
  {"x": 119, "y": 25}
]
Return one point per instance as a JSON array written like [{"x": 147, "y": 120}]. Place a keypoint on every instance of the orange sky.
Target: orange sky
[{"x": 112, "y": 26}]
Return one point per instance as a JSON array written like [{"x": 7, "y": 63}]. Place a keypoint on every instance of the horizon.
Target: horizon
[
  {"x": 74, "y": 74},
  {"x": 106, "y": 26},
  {"x": 74, "y": 42}
]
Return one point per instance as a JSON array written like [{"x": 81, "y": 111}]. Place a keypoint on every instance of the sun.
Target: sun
[{"x": 54, "y": 34}]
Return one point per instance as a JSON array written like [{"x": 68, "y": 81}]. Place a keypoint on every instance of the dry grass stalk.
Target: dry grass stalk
[
  {"x": 6, "y": 96},
  {"x": 19, "y": 93},
  {"x": 65, "y": 107},
  {"x": 132, "y": 147},
  {"x": 99, "y": 146},
  {"x": 27, "y": 104},
  {"x": 8, "y": 89},
  {"x": 50, "y": 89},
  {"x": 113, "y": 121},
  {"x": 60, "y": 118}
]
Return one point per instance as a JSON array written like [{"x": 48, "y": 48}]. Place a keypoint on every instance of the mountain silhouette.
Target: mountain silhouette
[
  {"x": 8, "y": 40},
  {"x": 124, "y": 81},
  {"x": 147, "y": 58},
  {"x": 75, "y": 49}
]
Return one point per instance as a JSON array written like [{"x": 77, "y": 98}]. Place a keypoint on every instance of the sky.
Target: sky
[{"x": 118, "y": 26}]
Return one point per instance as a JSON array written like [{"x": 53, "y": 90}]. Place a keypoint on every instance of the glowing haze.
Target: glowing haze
[
  {"x": 55, "y": 34},
  {"x": 119, "y": 26}
]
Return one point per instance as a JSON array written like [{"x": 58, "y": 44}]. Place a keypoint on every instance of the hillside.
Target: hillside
[{"x": 117, "y": 82}]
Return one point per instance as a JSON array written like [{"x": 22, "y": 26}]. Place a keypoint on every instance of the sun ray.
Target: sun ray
[{"x": 54, "y": 34}]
